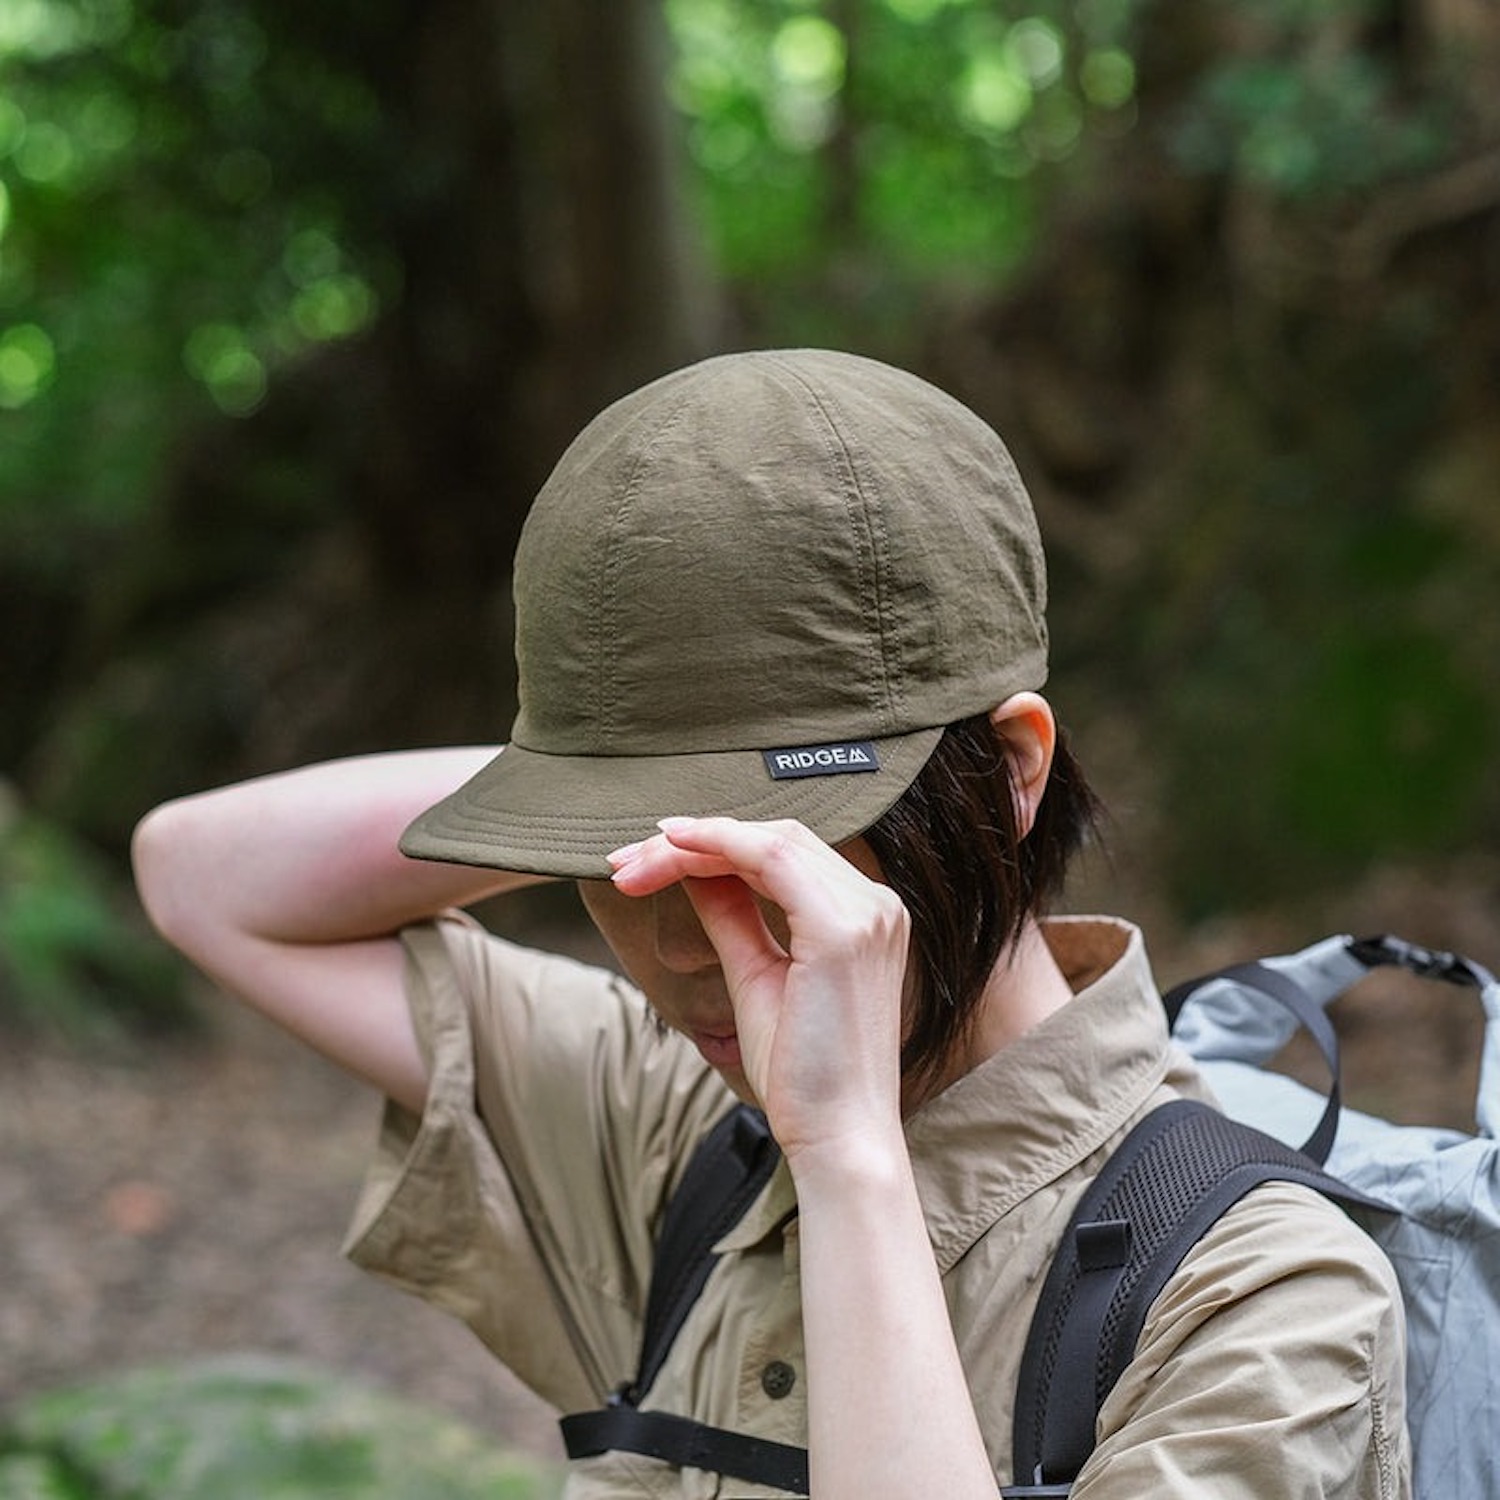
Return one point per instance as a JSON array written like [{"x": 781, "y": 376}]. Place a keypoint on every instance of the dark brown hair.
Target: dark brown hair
[{"x": 949, "y": 848}]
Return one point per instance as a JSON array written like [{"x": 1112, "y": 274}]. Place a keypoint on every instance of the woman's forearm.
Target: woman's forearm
[
  {"x": 288, "y": 891},
  {"x": 889, "y": 1409},
  {"x": 308, "y": 856}
]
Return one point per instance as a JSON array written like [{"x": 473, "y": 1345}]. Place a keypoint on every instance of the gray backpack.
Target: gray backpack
[{"x": 1445, "y": 1243}]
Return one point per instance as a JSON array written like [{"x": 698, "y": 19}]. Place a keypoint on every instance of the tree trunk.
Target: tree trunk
[{"x": 545, "y": 267}]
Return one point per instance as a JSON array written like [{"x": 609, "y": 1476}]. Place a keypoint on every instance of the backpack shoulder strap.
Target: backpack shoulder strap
[
  {"x": 1169, "y": 1180},
  {"x": 725, "y": 1174}
]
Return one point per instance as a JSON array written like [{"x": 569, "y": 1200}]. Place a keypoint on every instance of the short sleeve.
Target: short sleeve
[
  {"x": 524, "y": 1200},
  {"x": 1271, "y": 1366}
]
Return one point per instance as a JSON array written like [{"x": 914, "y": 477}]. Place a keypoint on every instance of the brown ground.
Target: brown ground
[
  {"x": 190, "y": 1198},
  {"x": 191, "y": 1201}
]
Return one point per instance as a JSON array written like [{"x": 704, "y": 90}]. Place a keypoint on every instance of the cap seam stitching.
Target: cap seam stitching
[
  {"x": 866, "y": 527},
  {"x": 606, "y": 681}
]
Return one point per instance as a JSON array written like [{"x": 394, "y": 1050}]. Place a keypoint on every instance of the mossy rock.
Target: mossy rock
[{"x": 251, "y": 1429}]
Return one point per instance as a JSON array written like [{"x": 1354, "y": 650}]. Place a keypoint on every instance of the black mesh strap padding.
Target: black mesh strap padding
[{"x": 1171, "y": 1178}]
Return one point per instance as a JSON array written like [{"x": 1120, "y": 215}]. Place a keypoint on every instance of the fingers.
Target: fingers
[
  {"x": 655, "y": 863},
  {"x": 831, "y": 899},
  {"x": 813, "y": 948},
  {"x": 782, "y": 861}
]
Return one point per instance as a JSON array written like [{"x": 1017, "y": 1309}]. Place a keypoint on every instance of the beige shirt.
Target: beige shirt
[{"x": 526, "y": 1199}]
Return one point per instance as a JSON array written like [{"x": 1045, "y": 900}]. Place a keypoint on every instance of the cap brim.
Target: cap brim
[{"x": 561, "y": 815}]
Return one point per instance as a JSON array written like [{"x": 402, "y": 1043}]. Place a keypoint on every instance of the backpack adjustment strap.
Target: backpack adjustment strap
[
  {"x": 1102, "y": 1244},
  {"x": 687, "y": 1445},
  {"x": 1289, "y": 993}
]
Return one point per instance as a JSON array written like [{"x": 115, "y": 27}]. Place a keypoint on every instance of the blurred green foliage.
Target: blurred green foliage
[
  {"x": 75, "y": 955},
  {"x": 250, "y": 1429},
  {"x": 948, "y": 108},
  {"x": 179, "y": 216},
  {"x": 847, "y": 158},
  {"x": 1305, "y": 114},
  {"x": 1233, "y": 222},
  {"x": 1316, "y": 631},
  {"x": 189, "y": 194}
]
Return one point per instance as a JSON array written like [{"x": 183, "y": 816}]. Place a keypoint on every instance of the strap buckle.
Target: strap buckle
[{"x": 1387, "y": 951}]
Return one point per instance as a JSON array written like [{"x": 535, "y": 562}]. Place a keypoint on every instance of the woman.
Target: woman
[{"x": 780, "y": 632}]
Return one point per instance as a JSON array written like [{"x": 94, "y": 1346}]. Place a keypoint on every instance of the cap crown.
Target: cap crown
[{"x": 775, "y": 548}]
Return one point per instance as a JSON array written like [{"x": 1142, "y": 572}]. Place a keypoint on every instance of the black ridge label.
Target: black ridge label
[{"x": 821, "y": 760}]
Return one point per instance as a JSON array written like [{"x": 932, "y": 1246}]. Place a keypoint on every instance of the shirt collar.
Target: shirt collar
[
  {"x": 1035, "y": 1109},
  {"x": 1042, "y": 1104}
]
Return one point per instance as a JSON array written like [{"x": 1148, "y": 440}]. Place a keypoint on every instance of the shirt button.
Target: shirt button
[{"x": 777, "y": 1379}]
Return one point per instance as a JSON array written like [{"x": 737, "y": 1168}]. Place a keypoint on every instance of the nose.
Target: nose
[{"x": 681, "y": 943}]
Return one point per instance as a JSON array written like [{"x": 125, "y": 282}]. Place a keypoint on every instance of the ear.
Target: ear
[{"x": 1027, "y": 729}]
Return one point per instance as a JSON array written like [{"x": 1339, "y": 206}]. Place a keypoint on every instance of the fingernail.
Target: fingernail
[
  {"x": 673, "y": 825},
  {"x": 623, "y": 855}
]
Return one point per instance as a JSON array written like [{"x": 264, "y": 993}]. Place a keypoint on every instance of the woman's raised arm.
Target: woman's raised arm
[{"x": 288, "y": 890}]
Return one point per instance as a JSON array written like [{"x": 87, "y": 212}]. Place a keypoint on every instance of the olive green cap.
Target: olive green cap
[{"x": 761, "y": 586}]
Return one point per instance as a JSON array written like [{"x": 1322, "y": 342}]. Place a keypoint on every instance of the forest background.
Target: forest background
[{"x": 299, "y": 303}]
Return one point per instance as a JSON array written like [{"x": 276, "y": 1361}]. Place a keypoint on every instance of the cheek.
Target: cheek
[
  {"x": 623, "y": 923},
  {"x": 596, "y": 896}
]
